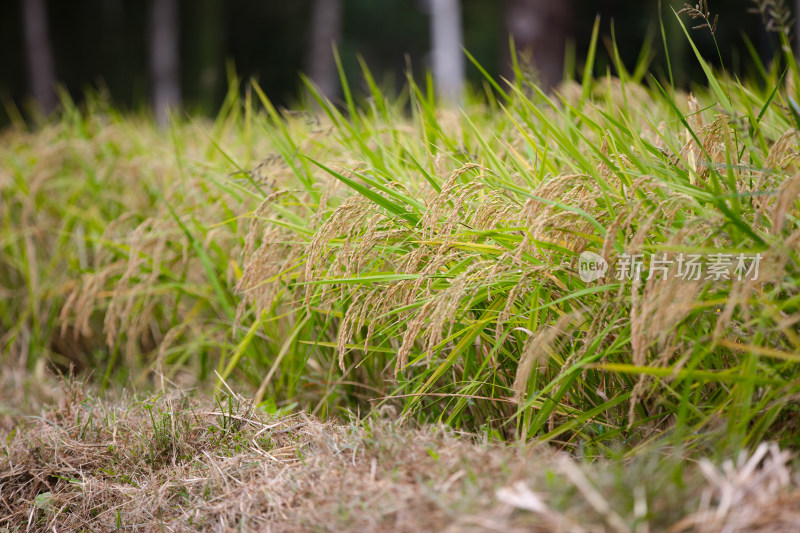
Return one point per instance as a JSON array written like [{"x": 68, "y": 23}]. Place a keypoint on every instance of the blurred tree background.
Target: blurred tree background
[{"x": 176, "y": 51}]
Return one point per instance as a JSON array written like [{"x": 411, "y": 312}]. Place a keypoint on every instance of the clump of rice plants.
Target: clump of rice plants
[
  {"x": 442, "y": 259},
  {"x": 97, "y": 270}
]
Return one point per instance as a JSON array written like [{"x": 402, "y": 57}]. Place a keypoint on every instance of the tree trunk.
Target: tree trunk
[
  {"x": 796, "y": 27},
  {"x": 164, "y": 58},
  {"x": 540, "y": 29},
  {"x": 208, "y": 52},
  {"x": 326, "y": 29},
  {"x": 448, "y": 59},
  {"x": 41, "y": 70}
]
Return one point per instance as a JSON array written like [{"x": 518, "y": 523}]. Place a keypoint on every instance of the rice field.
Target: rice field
[{"x": 609, "y": 268}]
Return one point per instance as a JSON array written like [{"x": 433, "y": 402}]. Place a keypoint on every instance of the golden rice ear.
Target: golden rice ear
[
  {"x": 694, "y": 116},
  {"x": 536, "y": 353},
  {"x": 788, "y": 203},
  {"x": 410, "y": 335}
]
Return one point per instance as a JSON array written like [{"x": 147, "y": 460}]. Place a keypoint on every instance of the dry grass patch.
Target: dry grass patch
[{"x": 177, "y": 463}]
